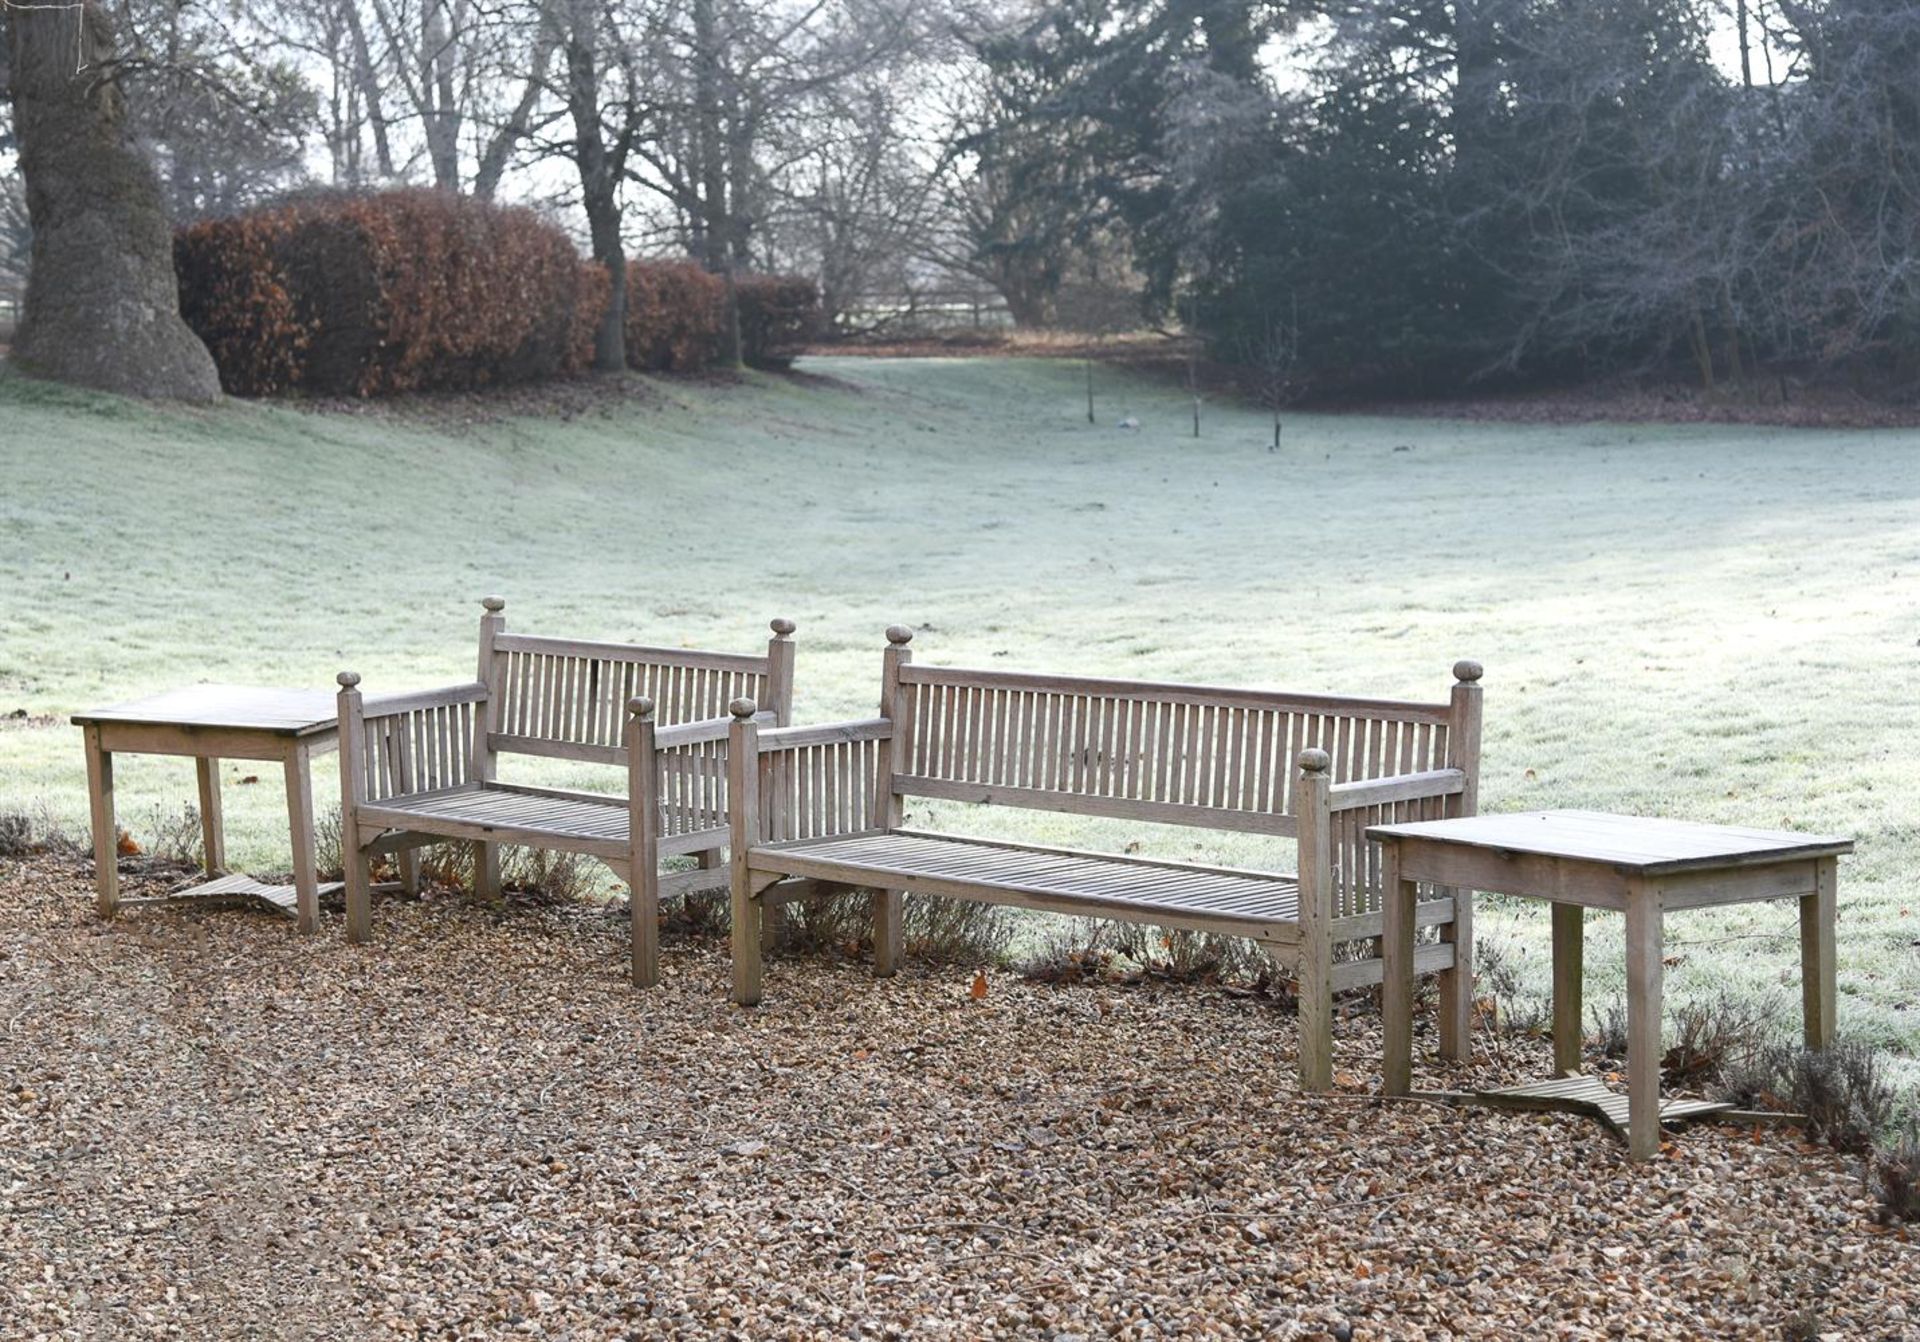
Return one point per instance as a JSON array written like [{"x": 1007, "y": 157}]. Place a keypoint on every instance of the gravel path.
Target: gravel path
[{"x": 210, "y": 1128}]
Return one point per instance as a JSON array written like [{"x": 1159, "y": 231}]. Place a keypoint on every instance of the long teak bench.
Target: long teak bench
[
  {"x": 421, "y": 768},
  {"x": 821, "y": 806}
]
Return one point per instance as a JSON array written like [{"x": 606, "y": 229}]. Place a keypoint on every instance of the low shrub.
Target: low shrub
[
  {"x": 1098, "y": 950},
  {"x": 543, "y": 876},
  {"x": 956, "y": 931},
  {"x": 779, "y": 316},
  {"x": 175, "y": 838},
  {"x": 1184, "y": 956},
  {"x": 934, "y": 931},
  {"x": 675, "y": 311},
  {"x": 16, "y": 835},
  {"x": 1842, "y": 1090},
  {"x": 1893, "y": 1175},
  {"x": 1079, "y": 951},
  {"x": 400, "y": 291}
]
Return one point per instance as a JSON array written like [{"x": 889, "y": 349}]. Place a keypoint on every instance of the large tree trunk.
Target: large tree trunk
[
  {"x": 599, "y": 191},
  {"x": 103, "y": 306}
]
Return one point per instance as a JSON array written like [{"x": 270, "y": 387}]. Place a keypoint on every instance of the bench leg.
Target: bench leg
[
  {"x": 1315, "y": 975},
  {"x": 745, "y": 934},
  {"x": 773, "y": 927},
  {"x": 643, "y": 898},
  {"x": 889, "y": 910},
  {"x": 408, "y": 860},
  {"x": 486, "y": 871},
  {"x": 359, "y": 875}
]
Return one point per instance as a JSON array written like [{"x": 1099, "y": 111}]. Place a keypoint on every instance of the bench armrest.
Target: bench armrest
[
  {"x": 413, "y": 701},
  {"x": 825, "y": 734},
  {"x": 701, "y": 732},
  {"x": 1398, "y": 787}
]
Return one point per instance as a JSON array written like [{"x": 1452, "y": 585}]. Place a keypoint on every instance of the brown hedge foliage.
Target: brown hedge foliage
[
  {"x": 779, "y": 315},
  {"x": 236, "y": 300},
  {"x": 401, "y": 291},
  {"x": 674, "y": 315}
]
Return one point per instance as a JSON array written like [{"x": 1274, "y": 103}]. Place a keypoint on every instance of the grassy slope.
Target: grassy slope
[{"x": 1706, "y": 622}]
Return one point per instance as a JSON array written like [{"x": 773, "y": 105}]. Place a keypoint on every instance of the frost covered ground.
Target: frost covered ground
[{"x": 1720, "y": 623}]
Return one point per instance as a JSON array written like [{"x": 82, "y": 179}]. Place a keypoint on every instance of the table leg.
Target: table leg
[
  {"x": 1569, "y": 953},
  {"x": 106, "y": 834},
  {"x": 213, "y": 830},
  {"x": 306, "y": 881},
  {"x": 1456, "y": 984},
  {"x": 1644, "y": 974},
  {"x": 1396, "y": 981},
  {"x": 1818, "y": 995}
]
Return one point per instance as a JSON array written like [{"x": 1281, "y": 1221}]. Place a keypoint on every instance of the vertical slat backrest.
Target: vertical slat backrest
[
  {"x": 564, "y": 697},
  {"x": 1136, "y": 747}
]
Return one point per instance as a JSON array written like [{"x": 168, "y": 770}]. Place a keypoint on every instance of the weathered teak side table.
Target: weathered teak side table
[
  {"x": 212, "y": 723},
  {"x": 1587, "y": 859}
]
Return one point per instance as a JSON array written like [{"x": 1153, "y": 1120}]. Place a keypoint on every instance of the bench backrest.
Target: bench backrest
[
  {"x": 1167, "y": 753},
  {"x": 568, "y": 699}
]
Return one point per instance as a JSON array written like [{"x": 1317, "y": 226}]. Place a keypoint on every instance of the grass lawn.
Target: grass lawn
[{"x": 1714, "y": 623}]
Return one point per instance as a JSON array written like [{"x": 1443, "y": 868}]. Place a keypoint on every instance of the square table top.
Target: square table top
[
  {"x": 1640, "y": 844},
  {"x": 279, "y": 712}
]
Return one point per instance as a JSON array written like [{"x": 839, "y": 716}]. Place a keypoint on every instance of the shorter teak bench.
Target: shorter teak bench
[
  {"x": 421, "y": 768},
  {"x": 821, "y": 806}
]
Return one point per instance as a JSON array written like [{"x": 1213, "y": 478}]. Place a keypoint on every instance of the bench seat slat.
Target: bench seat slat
[
  {"x": 1253, "y": 903},
  {"x": 572, "y": 821}
]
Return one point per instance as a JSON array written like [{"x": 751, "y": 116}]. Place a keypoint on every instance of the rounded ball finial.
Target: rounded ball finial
[
  {"x": 348, "y": 679},
  {"x": 1314, "y": 760},
  {"x": 743, "y": 708},
  {"x": 640, "y": 706},
  {"x": 782, "y": 626},
  {"x": 899, "y": 635},
  {"x": 1467, "y": 670},
  {"x": 494, "y": 604}
]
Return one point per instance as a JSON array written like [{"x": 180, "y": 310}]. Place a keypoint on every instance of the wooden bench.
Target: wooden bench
[
  {"x": 421, "y": 768},
  {"x": 821, "y": 806}
]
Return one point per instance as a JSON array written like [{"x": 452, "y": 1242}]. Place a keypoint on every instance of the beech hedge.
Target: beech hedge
[{"x": 423, "y": 290}]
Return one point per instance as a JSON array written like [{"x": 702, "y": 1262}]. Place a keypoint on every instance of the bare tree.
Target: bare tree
[
  {"x": 1274, "y": 356},
  {"x": 471, "y": 76},
  {"x": 602, "y": 94},
  {"x": 746, "y": 90}
]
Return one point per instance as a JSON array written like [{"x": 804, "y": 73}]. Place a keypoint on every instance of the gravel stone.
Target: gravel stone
[{"x": 211, "y": 1128}]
